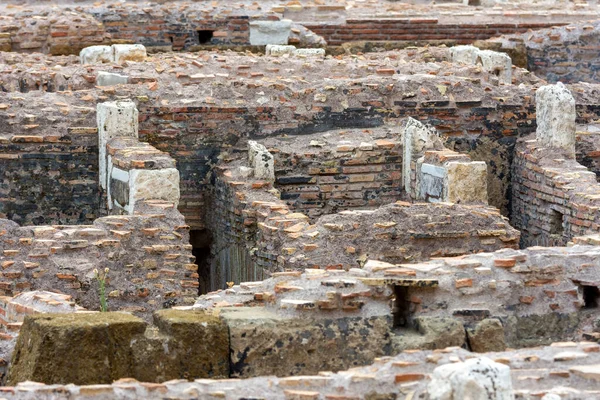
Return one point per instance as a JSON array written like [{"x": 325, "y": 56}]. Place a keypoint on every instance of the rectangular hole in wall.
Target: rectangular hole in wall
[
  {"x": 201, "y": 241},
  {"x": 205, "y": 36},
  {"x": 556, "y": 223},
  {"x": 401, "y": 306},
  {"x": 591, "y": 296}
]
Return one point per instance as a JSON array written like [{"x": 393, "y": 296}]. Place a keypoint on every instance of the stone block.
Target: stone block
[
  {"x": 475, "y": 379},
  {"x": 496, "y": 63},
  {"x": 261, "y": 161},
  {"x": 310, "y": 52},
  {"x": 431, "y": 333},
  {"x": 110, "y": 79},
  {"x": 432, "y": 183},
  {"x": 279, "y": 50},
  {"x": 487, "y": 335},
  {"x": 128, "y": 52},
  {"x": 265, "y": 343},
  {"x": 79, "y": 348},
  {"x": 270, "y": 32},
  {"x": 555, "y": 113},
  {"x": 153, "y": 184},
  {"x": 198, "y": 347},
  {"x": 464, "y": 54},
  {"x": 114, "y": 118},
  {"x": 96, "y": 55},
  {"x": 466, "y": 182}
]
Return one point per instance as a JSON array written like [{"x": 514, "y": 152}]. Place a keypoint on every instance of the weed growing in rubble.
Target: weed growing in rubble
[{"x": 101, "y": 278}]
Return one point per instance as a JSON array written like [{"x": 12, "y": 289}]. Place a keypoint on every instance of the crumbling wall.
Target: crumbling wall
[
  {"x": 147, "y": 253},
  {"x": 554, "y": 197},
  {"x": 567, "y": 54}
]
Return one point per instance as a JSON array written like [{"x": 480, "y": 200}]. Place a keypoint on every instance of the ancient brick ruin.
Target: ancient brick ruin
[{"x": 316, "y": 199}]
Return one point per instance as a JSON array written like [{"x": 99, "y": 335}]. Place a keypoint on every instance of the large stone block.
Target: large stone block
[
  {"x": 189, "y": 345},
  {"x": 270, "y": 32},
  {"x": 264, "y": 343},
  {"x": 555, "y": 113},
  {"x": 153, "y": 184},
  {"x": 467, "y": 182},
  {"x": 128, "y": 52},
  {"x": 487, "y": 335},
  {"x": 114, "y": 118},
  {"x": 96, "y": 55},
  {"x": 76, "y": 348}
]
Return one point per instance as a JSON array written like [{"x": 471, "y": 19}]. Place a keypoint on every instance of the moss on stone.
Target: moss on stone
[{"x": 85, "y": 348}]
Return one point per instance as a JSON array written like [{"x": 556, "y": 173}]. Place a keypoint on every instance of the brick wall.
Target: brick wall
[
  {"x": 416, "y": 29},
  {"x": 567, "y": 54},
  {"x": 554, "y": 199},
  {"x": 148, "y": 256}
]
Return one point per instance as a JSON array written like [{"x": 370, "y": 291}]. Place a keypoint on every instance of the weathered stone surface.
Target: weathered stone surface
[
  {"x": 487, "y": 335},
  {"x": 416, "y": 138},
  {"x": 265, "y": 343},
  {"x": 128, "y": 52},
  {"x": 310, "y": 52},
  {"x": 75, "y": 348},
  {"x": 555, "y": 113},
  {"x": 279, "y": 50},
  {"x": 96, "y": 55},
  {"x": 464, "y": 54},
  {"x": 115, "y": 118},
  {"x": 189, "y": 345},
  {"x": 467, "y": 182},
  {"x": 431, "y": 333},
  {"x": 159, "y": 184},
  {"x": 261, "y": 160},
  {"x": 496, "y": 63},
  {"x": 475, "y": 379},
  {"x": 536, "y": 330},
  {"x": 270, "y": 32},
  {"x": 110, "y": 79}
]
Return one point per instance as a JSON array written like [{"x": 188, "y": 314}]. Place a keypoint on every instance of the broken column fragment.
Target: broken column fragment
[
  {"x": 416, "y": 139},
  {"x": 261, "y": 160},
  {"x": 114, "y": 118},
  {"x": 96, "y": 55},
  {"x": 555, "y": 112}
]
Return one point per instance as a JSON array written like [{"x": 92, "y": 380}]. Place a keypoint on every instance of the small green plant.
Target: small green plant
[{"x": 101, "y": 278}]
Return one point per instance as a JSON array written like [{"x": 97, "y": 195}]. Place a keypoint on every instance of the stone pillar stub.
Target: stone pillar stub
[
  {"x": 416, "y": 138},
  {"x": 555, "y": 113},
  {"x": 261, "y": 161},
  {"x": 114, "y": 118}
]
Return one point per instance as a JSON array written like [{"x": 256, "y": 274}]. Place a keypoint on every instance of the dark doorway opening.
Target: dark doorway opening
[
  {"x": 401, "y": 307},
  {"x": 556, "y": 223},
  {"x": 205, "y": 36},
  {"x": 591, "y": 296},
  {"x": 201, "y": 241}
]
